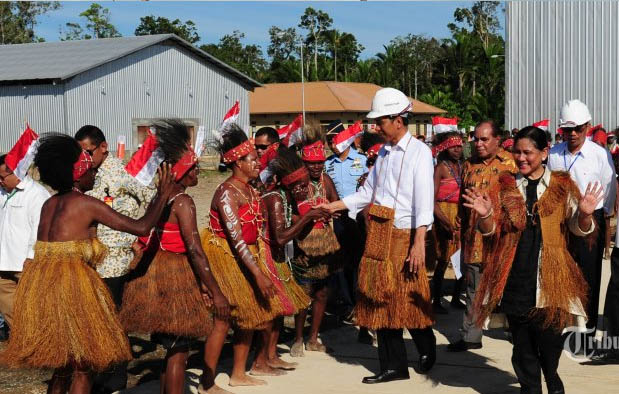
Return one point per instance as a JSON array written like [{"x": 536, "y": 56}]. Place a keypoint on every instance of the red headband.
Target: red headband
[
  {"x": 186, "y": 162},
  {"x": 508, "y": 143},
  {"x": 314, "y": 152},
  {"x": 295, "y": 176},
  {"x": 449, "y": 143},
  {"x": 84, "y": 163},
  {"x": 239, "y": 152},
  {"x": 373, "y": 151}
]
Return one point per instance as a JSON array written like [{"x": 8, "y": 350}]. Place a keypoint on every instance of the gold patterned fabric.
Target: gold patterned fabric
[
  {"x": 64, "y": 313},
  {"x": 130, "y": 198},
  {"x": 483, "y": 175}
]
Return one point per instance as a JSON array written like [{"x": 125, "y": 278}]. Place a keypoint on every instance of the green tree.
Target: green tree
[
  {"x": 284, "y": 43},
  {"x": 19, "y": 18},
  {"x": 161, "y": 25},
  {"x": 344, "y": 49},
  {"x": 97, "y": 25},
  {"x": 315, "y": 23},
  {"x": 246, "y": 58}
]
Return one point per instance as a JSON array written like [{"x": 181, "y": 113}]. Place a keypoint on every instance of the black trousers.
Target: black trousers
[
  {"x": 114, "y": 379},
  {"x": 611, "y": 305},
  {"x": 535, "y": 350},
  {"x": 589, "y": 259},
  {"x": 391, "y": 348}
]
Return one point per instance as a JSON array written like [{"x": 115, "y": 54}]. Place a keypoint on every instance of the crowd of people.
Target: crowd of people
[{"x": 107, "y": 254}]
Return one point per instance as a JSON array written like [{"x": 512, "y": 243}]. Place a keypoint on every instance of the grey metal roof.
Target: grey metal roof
[{"x": 65, "y": 59}]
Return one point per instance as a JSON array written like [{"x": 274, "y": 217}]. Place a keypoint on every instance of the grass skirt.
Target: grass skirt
[
  {"x": 162, "y": 295},
  {"x": 409, "y": 305},
  {"x": 292, "y": 295},
  {"x": 249, "y": 310},
  {"x": 64, "y": 314},
  {"x": 447, "y": 244}
]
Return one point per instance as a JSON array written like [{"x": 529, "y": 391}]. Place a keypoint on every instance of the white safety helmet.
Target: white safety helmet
[
  {"x": 389, "y": 101},
  {"x": 574, "y": 113}
]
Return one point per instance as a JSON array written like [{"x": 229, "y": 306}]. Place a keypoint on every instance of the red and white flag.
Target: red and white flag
[
  {"x": 293, "y": 133},
  {"x": 144, "y": 163},
  {"x": 345, "y": 138},
  {"x": 21, "y": 156},
  {"x": 443, "y": 125},
  {"x": 232, "y": 115},
  {"x": 542, "y": 124}
]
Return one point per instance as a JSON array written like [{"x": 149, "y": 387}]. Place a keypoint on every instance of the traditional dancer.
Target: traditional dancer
[
  {"x": 65, "y": 317},
  {"x": 281, "y": 232},
  {"x": 163, "y": 292},
  {"x": 314, "y": 250},
  {"x": 529, "y": 272},
  {"x": 235, "y": 249},
  {"x": 447, "y": 182},
  {"x": 393, "y": 287}
]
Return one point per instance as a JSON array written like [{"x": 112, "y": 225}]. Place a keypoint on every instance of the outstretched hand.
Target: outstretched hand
[
  {"x": 593, "y": 195},
  {"x": 477, "y": 201}
]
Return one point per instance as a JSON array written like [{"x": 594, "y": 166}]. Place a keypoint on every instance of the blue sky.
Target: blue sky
[{"x": 374, "y": 23}]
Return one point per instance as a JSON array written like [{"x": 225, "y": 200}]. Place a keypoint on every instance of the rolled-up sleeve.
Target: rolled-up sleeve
[
  {"x": 423, "y": 189},
  {"x": 357, "y": 201}
]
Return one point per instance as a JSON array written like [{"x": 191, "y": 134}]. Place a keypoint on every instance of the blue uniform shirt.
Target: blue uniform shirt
[{"x": 345, "y": 174}]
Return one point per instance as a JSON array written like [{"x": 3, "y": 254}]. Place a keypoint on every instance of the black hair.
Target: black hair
[
  {"x": 93, "y": 133},
  {"x": 286, "y": 162},
  {"x": 2, "y": 158},
  {"x": 496, "y": 131},
  {"x": 535, "y": 134},
  {"x": 270, "y": 132},
  {"x": 368, "y": 140},
  {"x": 55, "y": 157},
  {"x": 172, "y": 137},
  {"x": 231, "y": 136}
]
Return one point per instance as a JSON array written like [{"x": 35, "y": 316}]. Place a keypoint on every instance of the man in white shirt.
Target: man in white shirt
[
  {"x": 400, "y": 193},
  {"x": 587, "y": 163},
  {"x": 20, "y": 210}
]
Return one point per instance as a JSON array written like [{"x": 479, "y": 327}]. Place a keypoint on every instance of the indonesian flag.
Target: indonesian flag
[
  {"x": 232, "y": 115},
  {"x": 542, "y": 124},
  {"x": 344, "y": 139},
  {"x": 21, "y": 156},
  {"x": 292, "y": 133},
  {"x": 143, "y": 165},
  {"x": 443, "y": 125}
]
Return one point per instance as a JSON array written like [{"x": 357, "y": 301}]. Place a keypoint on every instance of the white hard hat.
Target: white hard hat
[
  {"x": 389, "y": 101},
  {"x": 574, "y": 113}
]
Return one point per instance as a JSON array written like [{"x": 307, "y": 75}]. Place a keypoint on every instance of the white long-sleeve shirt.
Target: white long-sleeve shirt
[
  {"x": 413, "y": 199},
  {"x": 20, "y": 212},
  {"x": 589, "y": 165}
]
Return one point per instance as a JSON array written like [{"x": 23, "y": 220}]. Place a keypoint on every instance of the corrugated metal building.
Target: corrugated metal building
[
  {"x": 117, "y": 84},
  {"x": 561, "y": 50}
]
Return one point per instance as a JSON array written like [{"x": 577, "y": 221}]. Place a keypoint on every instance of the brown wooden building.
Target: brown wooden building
[{"x": 277, "y": 104}]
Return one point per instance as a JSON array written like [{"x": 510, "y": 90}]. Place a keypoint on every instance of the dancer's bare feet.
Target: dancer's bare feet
[
  {"x": 296, "y": 350},
  {"x": 281, "y": 364},
  {"x": 246, "y": 380},
  {"x": 315, "y": 346},
  {"x": 265, "y": 370},
  {"x": 214, "y": 389}
]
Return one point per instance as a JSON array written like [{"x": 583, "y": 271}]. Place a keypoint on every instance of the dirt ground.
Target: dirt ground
[{"x": 487, "y": 370}]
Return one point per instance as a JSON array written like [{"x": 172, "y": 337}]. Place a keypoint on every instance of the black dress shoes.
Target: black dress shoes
[
  {"x": 386, "y": 376},
  {"x": 462, "y": 346}
]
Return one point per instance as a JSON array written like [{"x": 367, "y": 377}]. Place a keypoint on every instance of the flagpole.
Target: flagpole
[{"x": 302, "y": 82}]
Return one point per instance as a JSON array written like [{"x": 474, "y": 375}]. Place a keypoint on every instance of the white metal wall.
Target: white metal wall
[
  {"x": 159, "y": 81},
  {"x": 557, "y": 51},
  {"x": 39, "y": 105}
]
